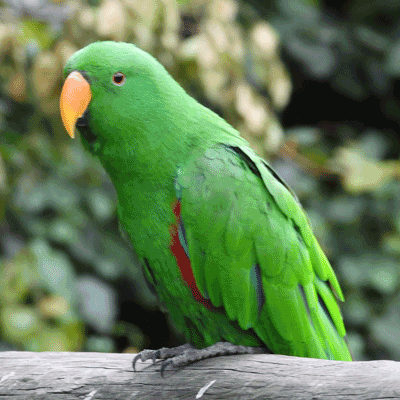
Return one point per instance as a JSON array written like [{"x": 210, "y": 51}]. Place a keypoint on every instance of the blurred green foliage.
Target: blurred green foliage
[{"x": 68, "y": 281}]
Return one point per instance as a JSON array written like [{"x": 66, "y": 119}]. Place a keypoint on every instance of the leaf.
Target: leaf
[
  {"x": 36, "y": 31},
  {"x": 386, "y": 330},
  {"x": 55, "y": 270},
  {"x": 360, "y": 174},
  {"x": 98, "y": 303}
]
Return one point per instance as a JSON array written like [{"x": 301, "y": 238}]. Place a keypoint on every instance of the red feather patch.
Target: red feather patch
[{"x": 183, "y": 261}]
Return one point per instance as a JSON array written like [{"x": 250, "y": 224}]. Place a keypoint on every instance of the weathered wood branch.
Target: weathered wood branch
[{"x": 92, "y": 376}]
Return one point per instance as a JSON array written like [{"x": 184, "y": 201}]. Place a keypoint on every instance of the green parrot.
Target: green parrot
[{"x": 223, "y": 242}]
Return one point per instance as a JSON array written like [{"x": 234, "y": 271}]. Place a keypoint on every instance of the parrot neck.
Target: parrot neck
[
  {"x": 150, "y": 154},
  {"x": 150, "y": 146}
]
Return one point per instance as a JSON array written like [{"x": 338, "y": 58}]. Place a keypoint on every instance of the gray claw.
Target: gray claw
[
  {"x": 164, "y": 366},
  {"x": 135, "y": 360}
]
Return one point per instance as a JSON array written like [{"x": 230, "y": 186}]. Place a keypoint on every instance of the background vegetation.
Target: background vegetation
[{"x": 313, "y": 85}]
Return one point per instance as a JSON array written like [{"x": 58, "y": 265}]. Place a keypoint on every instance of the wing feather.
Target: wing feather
[{"x": 252, "y": 251}]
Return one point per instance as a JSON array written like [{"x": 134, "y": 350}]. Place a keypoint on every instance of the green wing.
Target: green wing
[{"x": 253, "y": 252}]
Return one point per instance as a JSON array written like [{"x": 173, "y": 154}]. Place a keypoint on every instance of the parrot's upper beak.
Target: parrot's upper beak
[{"x": 74, "y": 100}]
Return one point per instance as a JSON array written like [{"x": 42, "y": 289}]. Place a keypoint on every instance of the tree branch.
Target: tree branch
[{"x": 95, "y": 376}]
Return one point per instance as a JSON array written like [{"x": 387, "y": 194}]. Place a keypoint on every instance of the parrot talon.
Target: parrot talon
[
  {"x": 164, "y": 365},
  {"x": 186, "y": 354},
  {"x": 135, "y": 360},
  {"x": 156, "y": 355},
  {"x": 144, "y": 356}
]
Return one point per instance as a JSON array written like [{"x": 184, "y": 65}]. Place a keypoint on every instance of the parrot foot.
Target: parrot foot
[{"x": 182, "y": 355}]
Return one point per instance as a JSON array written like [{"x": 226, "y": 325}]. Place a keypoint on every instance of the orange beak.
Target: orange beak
[{"x": 74, "y": 100}]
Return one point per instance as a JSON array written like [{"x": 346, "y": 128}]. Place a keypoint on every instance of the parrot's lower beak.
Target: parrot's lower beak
[{"x": 74, "y": 100}]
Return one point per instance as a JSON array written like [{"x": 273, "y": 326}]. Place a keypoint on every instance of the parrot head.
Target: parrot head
[{"x": 123, "y": 102}]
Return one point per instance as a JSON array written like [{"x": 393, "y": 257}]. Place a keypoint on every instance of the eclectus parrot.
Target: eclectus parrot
[{"x": 223, "y": 241}]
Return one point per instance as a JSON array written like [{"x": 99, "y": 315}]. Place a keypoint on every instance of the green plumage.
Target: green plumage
[{"x": 251, "y": 248}]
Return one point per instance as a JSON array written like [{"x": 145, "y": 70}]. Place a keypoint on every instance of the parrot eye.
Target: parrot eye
[{"x": 118, "y": 79}]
